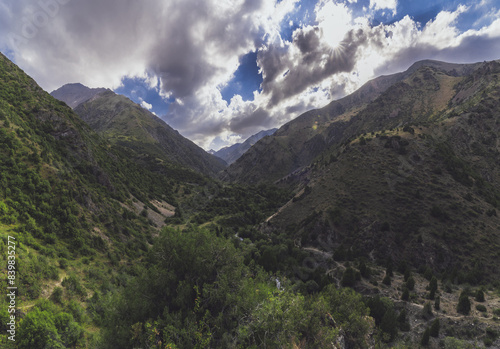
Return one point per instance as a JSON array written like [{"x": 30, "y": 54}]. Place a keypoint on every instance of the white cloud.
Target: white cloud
[
  {"x": 384, "y": 4},
  {"x": 146, "y": 105}
]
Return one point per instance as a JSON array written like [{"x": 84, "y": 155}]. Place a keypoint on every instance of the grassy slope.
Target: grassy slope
[{"x": 128, "y": 125}]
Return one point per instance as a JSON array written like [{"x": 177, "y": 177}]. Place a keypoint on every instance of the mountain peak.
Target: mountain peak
[{"x": 75, "y": 94}]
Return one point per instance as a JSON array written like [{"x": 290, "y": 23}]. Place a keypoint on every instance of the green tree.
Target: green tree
[
  {"x": 433, "y": 286},
  {"x": 349, "y": 277},
  {"x": 434, "y": 331},
  {"x": 463, "y": 306},
  {"x": 427, "y": 311},
  {"x": 389, "y": 324},
  {"x": 410, "y": 283},
  {"x": 425, "y": 337},
  {"x": 406, "y": 295},
  {"x": 403, "y": 322},
  {"x": 437, "y": 303},
  {"x": 479, "y": 296}
]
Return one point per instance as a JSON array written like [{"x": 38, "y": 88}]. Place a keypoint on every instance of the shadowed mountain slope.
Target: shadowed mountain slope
[
  {"x": 414, "y": 176},
  {"x": 298, "y": 142},
  {"x": 126, "y": 124}
]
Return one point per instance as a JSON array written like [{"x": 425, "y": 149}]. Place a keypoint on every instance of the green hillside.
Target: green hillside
[{"x": 128, "y": 125}]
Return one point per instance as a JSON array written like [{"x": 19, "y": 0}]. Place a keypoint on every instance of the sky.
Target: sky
[{"x": 220, "y": 71}]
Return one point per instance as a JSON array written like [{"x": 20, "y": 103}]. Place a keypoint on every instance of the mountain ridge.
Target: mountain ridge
[
  {"x": 127, "y": 124},
  {"x": 299, "y": 141},
  {"x": 75, "y": 94},
  {"x": 233, "y": 152}
]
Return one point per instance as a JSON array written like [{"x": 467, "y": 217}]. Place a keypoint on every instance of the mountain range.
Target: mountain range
[
  {"x": 232, "y": 153},
  {"x": 130, "y": 235},
  {"x": 406, "y": 167}
]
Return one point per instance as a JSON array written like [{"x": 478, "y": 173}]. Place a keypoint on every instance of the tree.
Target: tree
[
  {"x": 427, "y": 311},
  {"x": 410, "y": 283},
  {"x": 434, "y": 331},
  {"x": 406, "y": 295},
  {"x": 479, "y": 296},
  {"x": 433, "y": 287},
  {"x": 463, "y": 306},
  {"x": 425, "y": 337},
  {"x": 389, "y": 323},
  {"x": 349, "y": 277},
  {"x": 404, "y": 324},
  {"x": 437, "y": 303}
]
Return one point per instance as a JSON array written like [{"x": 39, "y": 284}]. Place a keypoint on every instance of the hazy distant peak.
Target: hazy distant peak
[
  {"x": 75, "y": 94},
  {"x": 234, "y": 152}
]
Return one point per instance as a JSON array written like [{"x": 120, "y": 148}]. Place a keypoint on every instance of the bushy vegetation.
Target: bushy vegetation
[{"x": 195, "y": 290}]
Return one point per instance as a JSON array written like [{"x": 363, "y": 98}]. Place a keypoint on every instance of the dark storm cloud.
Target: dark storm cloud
[
  {"x": 185, "y": 43},
  {"x": 316, "y": 62}
]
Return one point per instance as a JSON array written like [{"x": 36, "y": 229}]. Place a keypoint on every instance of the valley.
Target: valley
[{"x": 370, "y": 223}]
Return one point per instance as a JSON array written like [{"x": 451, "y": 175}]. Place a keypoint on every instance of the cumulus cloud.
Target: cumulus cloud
[
  {"x": 384, "y": 4},
  {"x": 189, "y": 49},
  {"x": 146, "y": 105}
]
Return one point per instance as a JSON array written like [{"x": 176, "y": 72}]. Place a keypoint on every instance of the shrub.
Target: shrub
[
  {"x": 387, "y": 280},
  {"x": 57, "y": 295},
  {"x": 481, "y": 308},
  {"x": 38, "y": 331}
]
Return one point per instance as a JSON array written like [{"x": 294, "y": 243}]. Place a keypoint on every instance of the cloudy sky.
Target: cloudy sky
[{"x": 221, "y": 70}]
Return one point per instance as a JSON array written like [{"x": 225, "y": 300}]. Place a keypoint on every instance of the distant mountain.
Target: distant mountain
[
  {"x": 234, "y": 152},
  {"x": 75, "y": 94},
  {"x": 408, "y": 167},
  {"x": 299, "y": 141},
  {"x": 147, "y": 137}
]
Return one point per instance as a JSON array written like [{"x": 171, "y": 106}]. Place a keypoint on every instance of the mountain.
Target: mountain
[
  {"x": 412, "y": 174},
  {"x": 234, "y": 152},
  {"x": 128, "y": 125},
  {"x": 66, "y": 191},
  {"x": 299, "y": 141},
  {"x": 75, "y": 94}
]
